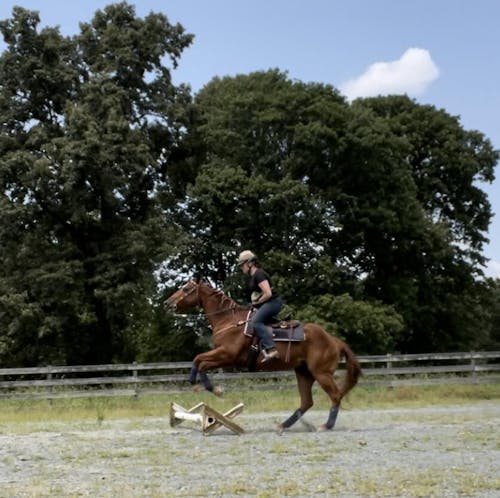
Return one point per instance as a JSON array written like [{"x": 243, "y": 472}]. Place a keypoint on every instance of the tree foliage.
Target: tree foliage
[
  {"x": 337, "y": 198},
  {"x": 369, "y": 215},
  {"x": 87, "y": 125},
  {"x": 368, "y": 327},
  {"x": 256, "y": 135}
]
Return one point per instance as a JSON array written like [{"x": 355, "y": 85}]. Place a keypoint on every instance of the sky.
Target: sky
[{"x": 439, "y": 52}]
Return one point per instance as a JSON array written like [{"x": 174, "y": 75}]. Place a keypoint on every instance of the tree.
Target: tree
[
  {"x": 87, "y": 127},
  {"x": 252, "y": 137},
  {"x": 357, "y": 199},
  {"x": 431, "y": 270},
  {"x": 368, "y": 327},
  {"x": 493, "y": 338}
]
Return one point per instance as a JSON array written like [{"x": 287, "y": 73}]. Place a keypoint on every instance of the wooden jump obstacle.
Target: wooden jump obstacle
[{"x": 209, "y": 418}]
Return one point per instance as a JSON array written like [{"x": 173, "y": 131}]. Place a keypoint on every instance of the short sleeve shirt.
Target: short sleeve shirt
[{"x": 259, "y": 276}]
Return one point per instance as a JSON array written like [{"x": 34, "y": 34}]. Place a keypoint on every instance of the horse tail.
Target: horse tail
[{"x": 353, "y": 368}]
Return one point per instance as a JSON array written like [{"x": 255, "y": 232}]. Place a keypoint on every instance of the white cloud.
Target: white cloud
[{"x": 412, "y": 73}]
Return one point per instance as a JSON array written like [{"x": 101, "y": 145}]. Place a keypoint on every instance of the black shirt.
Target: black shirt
[{"x": 258, "y": 277}]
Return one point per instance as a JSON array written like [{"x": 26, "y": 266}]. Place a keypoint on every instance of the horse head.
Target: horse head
[
  {"x": 185, "y": 298},
  {"x": 196, "y": 292}
]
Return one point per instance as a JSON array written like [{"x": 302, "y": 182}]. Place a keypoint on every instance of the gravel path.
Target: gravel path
[{"x": 427, "y": 452}]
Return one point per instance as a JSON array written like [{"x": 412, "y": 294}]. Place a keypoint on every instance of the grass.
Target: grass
[{"x": 100, "y": 409}]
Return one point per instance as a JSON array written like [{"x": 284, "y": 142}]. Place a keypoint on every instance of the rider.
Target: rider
[{"x": 267, "y": 303}]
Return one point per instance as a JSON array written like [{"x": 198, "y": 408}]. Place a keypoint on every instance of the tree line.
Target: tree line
[{"x": 116, "y": 185}]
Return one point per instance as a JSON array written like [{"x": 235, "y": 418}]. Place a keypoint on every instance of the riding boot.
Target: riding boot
[{"x": 270, "y": 354}]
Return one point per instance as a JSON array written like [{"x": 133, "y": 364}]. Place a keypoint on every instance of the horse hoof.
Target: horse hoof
[
  {"x": 279, "y": 429},
  {"x": 196, "y": 388},
  {"x": 218, "y": 391},
  {"x": 323, "y": 428}
]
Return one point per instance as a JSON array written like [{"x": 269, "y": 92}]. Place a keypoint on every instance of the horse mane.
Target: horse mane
[{"x": 231, "y": 303}]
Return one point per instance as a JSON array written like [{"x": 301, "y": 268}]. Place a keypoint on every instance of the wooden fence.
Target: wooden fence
[{"x": 149, "y": 378}]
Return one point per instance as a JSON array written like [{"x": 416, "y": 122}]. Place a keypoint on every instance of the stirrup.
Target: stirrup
[{"x": 273, "y": 355}]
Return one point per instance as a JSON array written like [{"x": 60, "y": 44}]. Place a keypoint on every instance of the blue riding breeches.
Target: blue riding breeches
[{"x": 263, "y": 316}]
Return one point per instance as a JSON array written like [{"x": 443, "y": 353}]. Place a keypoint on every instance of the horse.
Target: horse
[{"x": 313, "y": 359}]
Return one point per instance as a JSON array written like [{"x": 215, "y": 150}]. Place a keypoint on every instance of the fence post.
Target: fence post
[
  {"x": 136, "y": 381},
  {"x": 389, "y": 362},
  {"x": 473, "y": 366},
  {"x": 49, "y": 388}
]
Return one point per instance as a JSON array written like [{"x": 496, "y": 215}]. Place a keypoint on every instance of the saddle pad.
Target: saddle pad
[{"x": 294, "y": 334}]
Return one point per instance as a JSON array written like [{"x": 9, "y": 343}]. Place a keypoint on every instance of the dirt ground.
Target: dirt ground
[{"x": 427, "y": 452}]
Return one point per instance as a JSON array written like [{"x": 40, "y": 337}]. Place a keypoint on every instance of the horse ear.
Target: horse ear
[{"x": 197, "y": 278}]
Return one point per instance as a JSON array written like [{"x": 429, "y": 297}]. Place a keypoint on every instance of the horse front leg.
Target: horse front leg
[
  {"x": 193, "y": 375},
  {"x": 205, "y": 381},
  {"x": 205, "y": 361}
]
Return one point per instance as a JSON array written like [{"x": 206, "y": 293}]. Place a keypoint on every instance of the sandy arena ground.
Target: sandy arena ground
[{"x": 440, "y": 452}]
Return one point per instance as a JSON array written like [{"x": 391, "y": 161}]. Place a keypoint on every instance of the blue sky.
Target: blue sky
[{"x": 440, "y": 52}]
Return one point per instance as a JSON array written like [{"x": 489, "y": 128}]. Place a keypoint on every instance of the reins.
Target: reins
[
  {"x": 237, "y": 324},
  {"x": 196, "y": 286},
  {"x": 232, "y": 308}
]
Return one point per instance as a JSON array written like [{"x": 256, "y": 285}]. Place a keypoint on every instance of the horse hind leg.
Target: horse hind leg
[
  {"x": 326, "y": 381},
  {"x": 304, "y": 383}
]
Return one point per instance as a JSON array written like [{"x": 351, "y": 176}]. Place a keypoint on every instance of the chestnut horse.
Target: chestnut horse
[{"x": 314, "y": 359}]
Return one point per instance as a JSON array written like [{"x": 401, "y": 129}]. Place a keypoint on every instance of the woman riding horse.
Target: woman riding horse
[
  {"x": 314, "y": 359},
  {"x": 267, "y": 303}
]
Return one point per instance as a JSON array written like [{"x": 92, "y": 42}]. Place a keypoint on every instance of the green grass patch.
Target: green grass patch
[{"x": 100, "y": 409}]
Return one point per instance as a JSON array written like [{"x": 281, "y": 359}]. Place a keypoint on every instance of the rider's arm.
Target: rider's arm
[{"x": 267, "y": 293}]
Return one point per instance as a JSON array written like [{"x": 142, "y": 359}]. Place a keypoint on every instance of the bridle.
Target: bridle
[
  {"x": 192, "y": 286},
  {"x": 187, "y": 289}
]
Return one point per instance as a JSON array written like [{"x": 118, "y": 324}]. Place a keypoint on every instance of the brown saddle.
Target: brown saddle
[{"x": 282, "y": 330}]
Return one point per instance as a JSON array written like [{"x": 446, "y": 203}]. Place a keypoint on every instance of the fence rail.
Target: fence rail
[{"x": 148, "y": 378}]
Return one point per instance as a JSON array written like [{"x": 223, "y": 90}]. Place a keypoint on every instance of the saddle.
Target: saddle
[
  {"x": 286, "y": 330},
  {"x": 282, "y": 331}
]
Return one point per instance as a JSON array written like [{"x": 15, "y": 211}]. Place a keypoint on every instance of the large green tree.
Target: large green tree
[
  {"x": 432, "y": 269},
  {"x": 87, "y": 127},
  {"x": 109, "y": 174},
  {"x": 378, "y": 199},
  {"x": 254, "y": 137}
]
